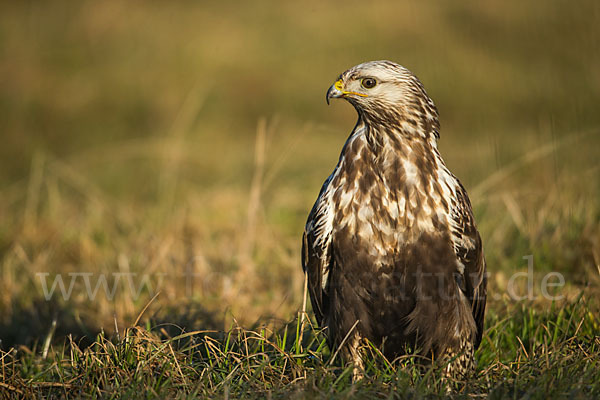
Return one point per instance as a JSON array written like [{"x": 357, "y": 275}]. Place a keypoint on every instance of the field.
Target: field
[{"x": 158, "y": 163}]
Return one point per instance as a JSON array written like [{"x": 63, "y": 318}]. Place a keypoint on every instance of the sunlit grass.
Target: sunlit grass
[{"x": 524, "y": 354}]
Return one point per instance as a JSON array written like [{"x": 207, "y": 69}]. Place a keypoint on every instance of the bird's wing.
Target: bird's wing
[
  {"x": 316, "y": 251},
  {"x": 469, "y": 250}
]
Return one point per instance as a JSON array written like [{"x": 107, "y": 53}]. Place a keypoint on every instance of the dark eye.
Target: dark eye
[{"x": 368, "y": 83}]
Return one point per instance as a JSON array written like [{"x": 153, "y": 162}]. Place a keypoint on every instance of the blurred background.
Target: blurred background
[{"x": 176, "y": 148}]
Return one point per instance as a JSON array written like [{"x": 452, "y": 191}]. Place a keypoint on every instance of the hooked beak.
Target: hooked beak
[{"x": 335, "y": 91}]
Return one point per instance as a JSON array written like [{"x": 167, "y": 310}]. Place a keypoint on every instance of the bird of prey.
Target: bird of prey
[{"x": 390, "y": 248}]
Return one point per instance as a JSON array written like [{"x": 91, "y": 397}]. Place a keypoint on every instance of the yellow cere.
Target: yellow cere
[{"x": 339, "y": 86}]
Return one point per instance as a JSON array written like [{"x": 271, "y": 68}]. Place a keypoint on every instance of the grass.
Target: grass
[
  {"x": 527, "y": 354},
  {"x": 166, "y": 157}
]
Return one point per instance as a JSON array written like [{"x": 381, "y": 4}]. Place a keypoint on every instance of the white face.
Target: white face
[
  {"x": 379, "y": 82},
  {"x": 388, "y": 95}
]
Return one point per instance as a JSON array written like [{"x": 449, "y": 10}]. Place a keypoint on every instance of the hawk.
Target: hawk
[{"x": 390, "y": 249}]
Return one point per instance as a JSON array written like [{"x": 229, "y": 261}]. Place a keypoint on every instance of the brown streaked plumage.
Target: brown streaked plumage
[{"x": 390, "y": 248}]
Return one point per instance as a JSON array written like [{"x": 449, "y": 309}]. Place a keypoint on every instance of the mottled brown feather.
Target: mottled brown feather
[{"x": 390, "y": 247}]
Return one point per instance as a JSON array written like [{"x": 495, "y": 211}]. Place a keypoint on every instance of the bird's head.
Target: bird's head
[{"x": 385, "y": 93}]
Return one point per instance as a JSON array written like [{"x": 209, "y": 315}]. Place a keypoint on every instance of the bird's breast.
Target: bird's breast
[{"x": 378, "y": 217}]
